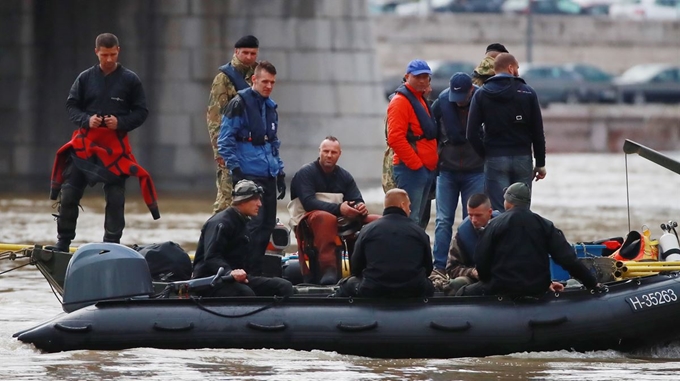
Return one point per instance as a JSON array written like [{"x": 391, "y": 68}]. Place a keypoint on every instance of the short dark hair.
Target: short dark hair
[
  {"x": 106, "y": 40},
  {"x": 477, "y": 200},
  {"x": 266, "y": 66},
  {"x": 331, "y": 138}
]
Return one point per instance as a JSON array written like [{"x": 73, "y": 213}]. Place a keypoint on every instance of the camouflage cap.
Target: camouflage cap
[{"x": 246, "y": 189}]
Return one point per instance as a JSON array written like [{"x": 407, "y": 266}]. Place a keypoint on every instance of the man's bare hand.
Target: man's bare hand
[
  {"x": 556, "y": 287},
  {"x": 539, "y": 173},
  {"x": 361, "y": 207},
  {"x": 95, "y": 121},
  {"x": 111, "y": 122},
  {"x": 220, "y": 161},
  {"x": 240, "y": 275},
  {"x": 348, "y": 211}
]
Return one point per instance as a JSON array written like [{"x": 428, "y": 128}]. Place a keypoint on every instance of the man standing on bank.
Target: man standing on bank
[
  {"x": 412, "y": 134},
  {"x": 232, "y": 77},
  {"x": 504, "y": 124},
  {"x": 249, "y": 145},
  {"x": 106, "y": 102}
]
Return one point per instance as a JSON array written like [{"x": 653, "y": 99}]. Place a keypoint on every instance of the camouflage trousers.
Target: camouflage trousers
[
  {"x": 388, "y": 170},
  {"x": 224, "y": 189}
]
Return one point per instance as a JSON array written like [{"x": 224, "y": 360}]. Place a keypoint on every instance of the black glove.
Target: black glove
[
  {"x": 281, "y": 186},
  {"x": 236, "y": 175}
]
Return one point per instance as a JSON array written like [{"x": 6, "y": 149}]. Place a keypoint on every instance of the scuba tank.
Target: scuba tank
[{"x": 668, "y": 242}]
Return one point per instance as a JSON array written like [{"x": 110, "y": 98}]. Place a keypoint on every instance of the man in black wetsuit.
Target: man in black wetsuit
[
  {"x": 221, "y": 244},
  {"x": 512, "y": 254}
]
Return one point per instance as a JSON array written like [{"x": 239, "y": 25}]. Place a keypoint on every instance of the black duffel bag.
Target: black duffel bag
[{"x": 168, "y": 262}]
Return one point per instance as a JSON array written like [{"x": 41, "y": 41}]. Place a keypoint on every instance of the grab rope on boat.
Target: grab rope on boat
[
  {"x": 16, "y": 254},
  {"x": 197, "y": 301}
]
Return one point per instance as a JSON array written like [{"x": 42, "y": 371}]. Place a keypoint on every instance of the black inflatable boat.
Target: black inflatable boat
[{"x": 110, "y": 304}]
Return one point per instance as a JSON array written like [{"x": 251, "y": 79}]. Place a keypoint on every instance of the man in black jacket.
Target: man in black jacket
[
  {"x": 392, "y": 257},
  {"x": 504, "y": 125},
  {"x": 512, "y": 255},
  {"x": 325, "y": 176},
  {"x": 223, "y": 238},
  {"x": 107, "y": 97}
]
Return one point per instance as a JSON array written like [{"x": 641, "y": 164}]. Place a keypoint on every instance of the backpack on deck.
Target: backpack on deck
[{"x": 167, "y": 261}]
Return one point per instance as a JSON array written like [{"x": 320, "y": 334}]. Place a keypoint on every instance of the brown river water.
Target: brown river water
[{"x": 584, "y": 194}]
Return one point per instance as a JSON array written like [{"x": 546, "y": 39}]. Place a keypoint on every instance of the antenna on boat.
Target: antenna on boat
[
  {"x": 625, "y": 155},
  {"x": 630, "y": 146}
]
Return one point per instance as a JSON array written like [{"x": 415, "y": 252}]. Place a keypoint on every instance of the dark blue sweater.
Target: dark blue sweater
[{"x": 509, "y": 111}]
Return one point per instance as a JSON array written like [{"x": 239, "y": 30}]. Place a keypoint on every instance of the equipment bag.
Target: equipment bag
[{"x": 167, "y": 261}]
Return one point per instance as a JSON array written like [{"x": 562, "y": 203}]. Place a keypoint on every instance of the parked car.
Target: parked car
[
  {"x": 646, "y": 9},
  {"x": 546, "y": 7},
  {"x": 598, "y": 85},
  {"x": 595, "y": 7},
  {"x": 650, "y": 83},
  {"x": 441, "y": 73},
  {"x": 553, "y": 83},
  {"x": 419, "y": 7},
  {"x": 476, "y": 6}
]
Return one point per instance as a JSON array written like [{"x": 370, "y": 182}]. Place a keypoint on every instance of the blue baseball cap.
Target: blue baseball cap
[
  {"x": 417, "y": 67},
  {"x": 459, "y": 87}
]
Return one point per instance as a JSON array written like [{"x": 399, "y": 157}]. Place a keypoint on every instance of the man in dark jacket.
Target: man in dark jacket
[
  {"x": 504, "y": 125},
  {"x": 325, "y": 176},
  {"x": 392, "y": 257},
  {"x": 461, "y": 170},
  {"x": 106, "y": 100},
  {"x": 223, "y": 238},
  {"x": 512, "y": 255}
]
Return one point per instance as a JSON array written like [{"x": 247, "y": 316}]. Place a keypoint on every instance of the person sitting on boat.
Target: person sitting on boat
[
  {"x": 321, "y": 193},
  {"x": 223, "y": 243},
  {"x": 392, "y": 256},
  {"x": 460, "y": 265},
  {"x": 511, "y": 256}
]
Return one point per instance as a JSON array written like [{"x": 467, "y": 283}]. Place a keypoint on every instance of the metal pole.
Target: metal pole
[{"x": 530, "y": 31}]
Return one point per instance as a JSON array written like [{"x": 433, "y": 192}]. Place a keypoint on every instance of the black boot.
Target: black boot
[{"x": 61, "y": 245}]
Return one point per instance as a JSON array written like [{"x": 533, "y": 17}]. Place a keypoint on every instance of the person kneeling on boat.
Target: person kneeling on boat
[
  {"x": 224, "y": 242},
  {"x": 392, "y": 256},
  {"x": 512, "y": 254}
]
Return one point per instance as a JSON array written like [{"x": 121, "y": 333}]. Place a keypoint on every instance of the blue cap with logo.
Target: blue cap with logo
[
  {"x": 459, "y": 87},
  {"x": 417, "y": 67}
]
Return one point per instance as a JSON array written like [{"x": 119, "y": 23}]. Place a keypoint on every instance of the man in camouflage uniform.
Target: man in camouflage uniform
[
  {"x": 232, "y": 77},
  {"x": 484, "y": 70}
]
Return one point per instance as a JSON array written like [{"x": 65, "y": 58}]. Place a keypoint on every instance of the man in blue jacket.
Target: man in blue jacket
[
  {"x": 461, "y": 170},
  {"x": 504, "y": 125},
  {"x": 249, "y": 145}
]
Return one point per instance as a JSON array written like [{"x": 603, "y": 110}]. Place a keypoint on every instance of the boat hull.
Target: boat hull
[{"x": 440, "y": 327}]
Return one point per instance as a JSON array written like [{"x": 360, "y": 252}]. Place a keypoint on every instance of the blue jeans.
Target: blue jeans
[
  {"x": 449, "y": 185},
  {"x": 502, "y": 171},
  {"x": 417, "y": 184}
]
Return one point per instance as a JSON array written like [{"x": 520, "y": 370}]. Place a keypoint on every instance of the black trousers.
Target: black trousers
[
  {"x": 352, "y": 287},
  {"x": 261, "y": 226},
  {"x": 256, "y": 286},
  {"x": 72, "y": 191}
]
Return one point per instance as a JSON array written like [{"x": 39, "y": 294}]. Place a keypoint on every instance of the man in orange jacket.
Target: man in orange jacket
[{"x": 412, "y": 132}]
